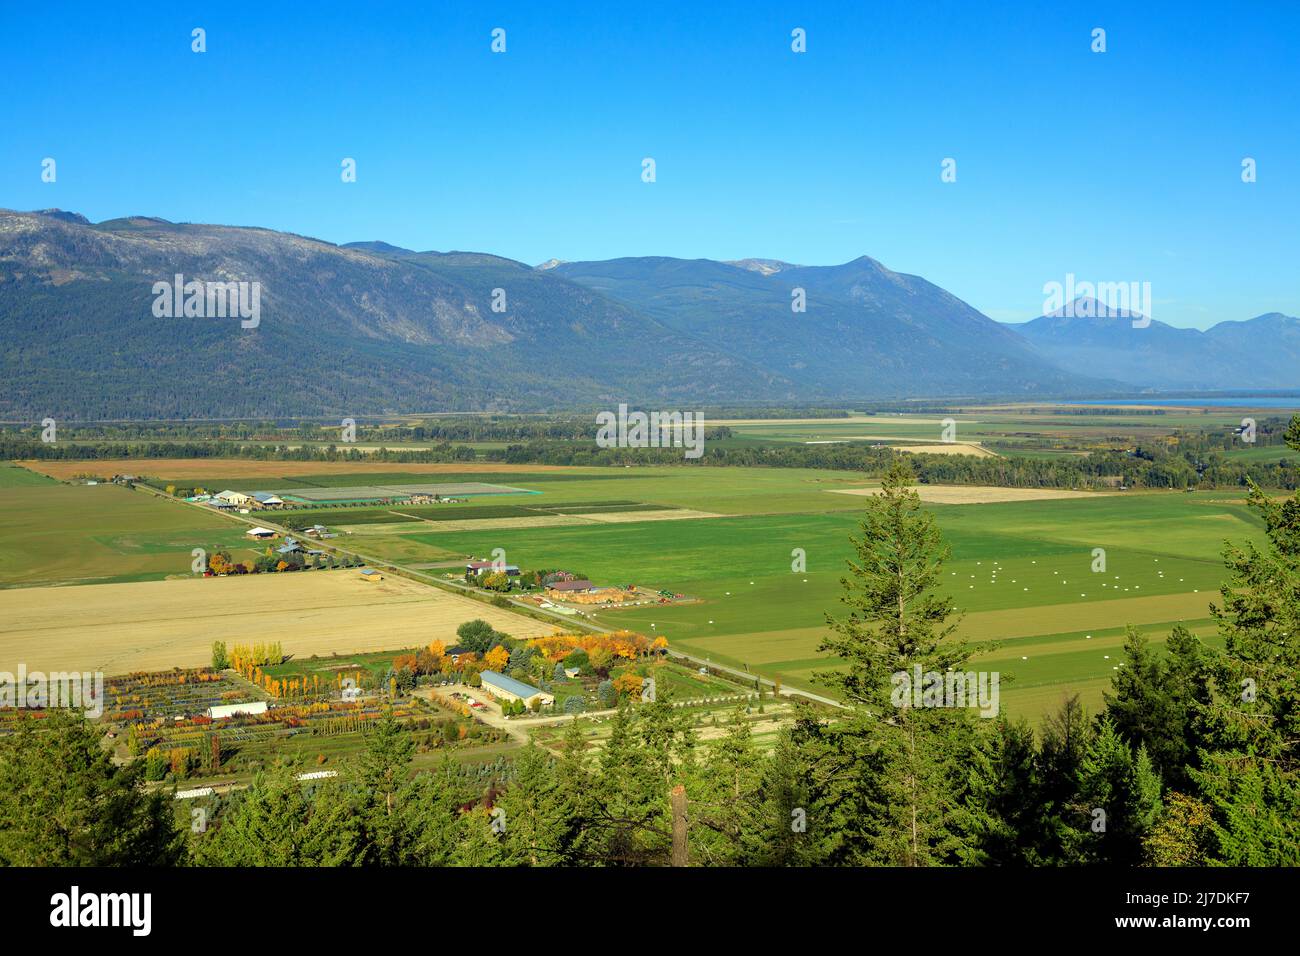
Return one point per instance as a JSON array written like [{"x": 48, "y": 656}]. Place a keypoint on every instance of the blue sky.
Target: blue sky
[{"x": 1118, "y": 166}]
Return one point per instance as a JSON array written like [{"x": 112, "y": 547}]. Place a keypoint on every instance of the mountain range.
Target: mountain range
[
  {"x": 1258, "y": 353},
  {"x": 370, "y": 328}
]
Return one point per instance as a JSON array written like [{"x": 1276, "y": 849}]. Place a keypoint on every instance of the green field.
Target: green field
[
  {"x": 81, "y": 534},
  {"x": 1163, "y": 562},
  {"x": 1162, "y": 565},
  {"x": 1021, "y": 572},
  {"x": 15, "y": 476}
]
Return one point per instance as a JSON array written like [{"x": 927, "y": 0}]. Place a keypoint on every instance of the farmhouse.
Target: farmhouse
[
  {"x": 507, "y": 688},
  {"x": 217, "y": 711},
  {"x": 260, "y": 533},
  {"x": 479, "y": 568},
  {"x": 562, "y": 588},
  {"x": 236, "y": 498}
]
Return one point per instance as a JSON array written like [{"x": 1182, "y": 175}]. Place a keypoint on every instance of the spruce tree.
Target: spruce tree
[
  {"x": 64, "y": 802},
  {"x": 894, "y": 772},
  {"x": 539, "y": 814},
  {"x": 1155, "y": 703},
  {"x": 726, "y": 828},
  {"x": 1119, "y": 792},
  {"x": 1250, "y": 771}
]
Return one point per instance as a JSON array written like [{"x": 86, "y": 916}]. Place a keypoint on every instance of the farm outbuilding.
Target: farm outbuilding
[
  {"x": 260, "y": 532},
  {"x": 217, "y": 711},
  {"x": 237, "y": 498},
  {"x": 479, "y": 568},
  {"x": 507, "y": 688},
  {"x": 572, "y": 587}
]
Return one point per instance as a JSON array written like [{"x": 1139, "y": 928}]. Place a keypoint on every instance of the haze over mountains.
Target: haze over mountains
[
  {"x": 1263, "y": 352},
  {"x": 369, "y": 328}
]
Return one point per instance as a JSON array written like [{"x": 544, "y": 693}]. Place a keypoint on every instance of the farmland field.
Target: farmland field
[
  {"x": 157, "y": 625},
  {"x": 81, "y": 534},
  {"x": 1021, "y": 571},
  {"x": 13, "y": 476}
]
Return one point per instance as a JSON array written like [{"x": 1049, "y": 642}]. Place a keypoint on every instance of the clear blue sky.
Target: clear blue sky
[{"x": 1122, "y": 166}]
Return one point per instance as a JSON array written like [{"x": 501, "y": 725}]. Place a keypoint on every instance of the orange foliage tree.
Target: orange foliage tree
[{"x": 497, "y": 659}]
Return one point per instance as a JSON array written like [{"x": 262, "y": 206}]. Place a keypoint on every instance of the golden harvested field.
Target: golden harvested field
[
  {"x": 948, "y": 448},
  {"x": 157, "y": 625},
  {"x": 975, "y": 494},
  {"x": 182, "y": 468}
]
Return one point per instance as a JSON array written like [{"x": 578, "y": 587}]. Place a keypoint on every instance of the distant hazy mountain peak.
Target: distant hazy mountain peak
[
  {"x": 1088, "y": 307},
  {"x": 1088, "y": 337}
]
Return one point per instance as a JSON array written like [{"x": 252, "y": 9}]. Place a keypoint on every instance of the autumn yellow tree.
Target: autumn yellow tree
[
  {"x": 497, "y": 658},
  {"x": 628, "y": 684}
]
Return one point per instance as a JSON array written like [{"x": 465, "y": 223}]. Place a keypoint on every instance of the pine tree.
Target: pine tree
[
  {"x": 280, "y": 821},
  {"x": 1250, "y": 773},
  {"x": 1120, "y": 793},
  {"x": 387, "y": 759},
  {"x": 479, "y": 843},
  {"x": 383, "y": 769},
  {"x": 893, "y": 767},
  {"x": 1067, "y": 736},
  {"x": 429, "y": 815},
  {"x": 726, "y": 828},
  {"x": 649, "y": 751},
  {"x": 63, "y": 801},
  {"x": 791, "y": 831},
  {"x": 1155, "y": 703},
  {"x": 539, "y": 814},
  {"x": 1003, "y": 800}
]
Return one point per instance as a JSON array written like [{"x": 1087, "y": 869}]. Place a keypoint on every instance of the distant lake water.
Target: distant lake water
[{"x": 1266, "y": 401}]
